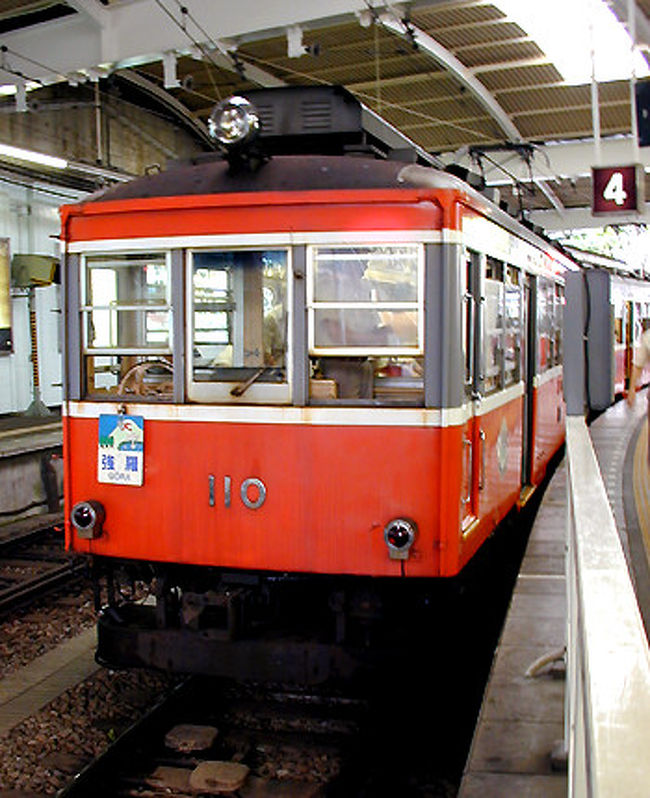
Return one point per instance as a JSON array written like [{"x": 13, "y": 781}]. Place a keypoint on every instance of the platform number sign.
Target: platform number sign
[{"x": 617, "y": 189}]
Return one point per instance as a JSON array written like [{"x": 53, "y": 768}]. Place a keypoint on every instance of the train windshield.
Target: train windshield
[
  {"x": 365, "y": 318},
  {"x": 239, "y": 323},
  {"x": 127, "y": 324}
]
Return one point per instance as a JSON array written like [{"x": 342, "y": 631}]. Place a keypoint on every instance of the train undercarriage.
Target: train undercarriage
[{"x": 267, "y": 627}]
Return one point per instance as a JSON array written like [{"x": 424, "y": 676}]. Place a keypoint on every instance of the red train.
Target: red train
[{"x": 298, "y": 385}]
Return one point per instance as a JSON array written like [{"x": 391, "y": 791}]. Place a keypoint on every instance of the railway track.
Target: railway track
[
  {"x": 211, "y": 737},
  {"x": 33, "y": 561}
]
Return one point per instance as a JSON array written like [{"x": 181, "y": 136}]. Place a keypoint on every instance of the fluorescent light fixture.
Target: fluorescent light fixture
[
  {"x": 7, "y": 151},
  {"x": 566, "y": 30},
  {"x": 9, "y": 89}
]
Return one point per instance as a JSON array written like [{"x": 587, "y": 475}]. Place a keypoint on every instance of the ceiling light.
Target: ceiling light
[
  {"x": 7, "y": 151},
  {"x": 566, "y": 30}
]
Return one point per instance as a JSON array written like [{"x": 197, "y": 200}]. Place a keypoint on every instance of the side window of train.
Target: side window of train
[
  {"x": 470, "y": 273},
  {"x": 514, "y": 325},
  {"x": 558, "y": 319},
  {"x": 127, "y": 324},
  {"x": 239, "y": 314},
  {"x": 365, "y": 324},
  {"x": 493, "y": 326},
  {"x": 545, "y": 323},
  {"x": 638, "y": 322},
  {"x": 619, "y": 321}
]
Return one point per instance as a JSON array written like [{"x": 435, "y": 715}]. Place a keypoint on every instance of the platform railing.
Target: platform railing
[{"x": 607, "y": 704}]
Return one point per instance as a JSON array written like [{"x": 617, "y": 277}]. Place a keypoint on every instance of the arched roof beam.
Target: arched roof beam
[
  {"x": 451, "y": 64},
  {"x": 168, "y": 101}
]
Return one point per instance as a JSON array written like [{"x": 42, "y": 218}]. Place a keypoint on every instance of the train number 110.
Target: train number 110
[{"x": 252, "y": 492}]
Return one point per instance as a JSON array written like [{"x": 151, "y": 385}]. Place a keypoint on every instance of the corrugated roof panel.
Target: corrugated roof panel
[
  {"x": 465, "y": 14},
  {"x": 416, "y": 125},
  {"x": 460, "y": 108},
  {"x": 496, "y": 53},
  {"x": 462, "y": 38},
  {"x": 616, "y": 91},
  {"x": 573, "y": 123},
  {"x": 521, "y": 77},
  {"x": 411, "y": 88},
  {"x": 615, "y": 118},
  {"x": 443, "y": 139},
  {"x": 545, "y": 98}
]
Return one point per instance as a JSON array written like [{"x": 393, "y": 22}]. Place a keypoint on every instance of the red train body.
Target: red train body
[{"x": 375, "y": 441}]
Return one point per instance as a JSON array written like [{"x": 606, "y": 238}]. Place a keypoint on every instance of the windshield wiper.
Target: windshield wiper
[{"x": 240, "y": 390}]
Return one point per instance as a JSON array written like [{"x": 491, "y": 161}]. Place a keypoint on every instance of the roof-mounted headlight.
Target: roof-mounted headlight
[{"x": 234, "y": 122}]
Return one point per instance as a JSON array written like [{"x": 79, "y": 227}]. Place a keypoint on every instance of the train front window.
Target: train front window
[
  {"x": 365, "y": 323},
  {"x": 239, "y": 325},
  {"x": 127, "y": 324}
]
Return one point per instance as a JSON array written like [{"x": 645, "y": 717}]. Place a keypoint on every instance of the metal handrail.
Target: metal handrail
[{"x": 607, "y": 700}]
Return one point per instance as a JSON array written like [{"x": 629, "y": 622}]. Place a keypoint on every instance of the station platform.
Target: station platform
[
  {"x": 31, "y": 469},
  {"x": 20, "y": 434},
  {"x": 29, "y": 689},
  {"x": 518, "y": 741}
]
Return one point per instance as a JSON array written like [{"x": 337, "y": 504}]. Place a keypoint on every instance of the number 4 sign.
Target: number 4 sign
[{"x": 617, "y": 189}]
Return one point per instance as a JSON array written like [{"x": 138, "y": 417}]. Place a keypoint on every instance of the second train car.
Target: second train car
[{"x": 297, "y": 384}]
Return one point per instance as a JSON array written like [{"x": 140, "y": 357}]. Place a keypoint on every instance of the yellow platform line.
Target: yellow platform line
[{"x": 641, "y": 484}]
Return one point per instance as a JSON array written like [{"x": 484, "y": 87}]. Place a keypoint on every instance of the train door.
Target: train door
[
  {"x": 528, "y": 354},
  {"x": 471, "y": 359}
]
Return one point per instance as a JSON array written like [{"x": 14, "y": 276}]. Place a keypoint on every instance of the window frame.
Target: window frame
[
  {"x": 85, "y": 309},
  {"x": 220, "y": 392},
  {"x": 512, "y": 376},
  {"x": 79, "y": 383},
  {"x": 312, "y": 305},
  {"x": 498, "y": 332}
]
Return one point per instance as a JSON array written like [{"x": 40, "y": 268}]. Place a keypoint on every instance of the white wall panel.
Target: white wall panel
[{"x": 29, "y": 217}]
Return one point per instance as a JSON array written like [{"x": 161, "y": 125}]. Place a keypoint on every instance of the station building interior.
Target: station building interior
[
  {"x": 542, "y": 105},
  {"x": 487, "y": 87}
]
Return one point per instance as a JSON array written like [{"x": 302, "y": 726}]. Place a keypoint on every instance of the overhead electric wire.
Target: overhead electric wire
[
  {"x": 202, "y": 49},
  {"x": 366, "y": 96},
  {"x": 4, "y": 67},
  {"x": 237, "y": 63},
  {"x": 5, "y": 49}
]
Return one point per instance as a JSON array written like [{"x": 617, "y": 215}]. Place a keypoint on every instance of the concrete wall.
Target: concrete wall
[
  {"x": 62, "y": 120},
  {"x": 23, "y": 490}
]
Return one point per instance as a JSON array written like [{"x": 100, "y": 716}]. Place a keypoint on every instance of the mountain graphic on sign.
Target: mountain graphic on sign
[{"x": 127, "y": 436}]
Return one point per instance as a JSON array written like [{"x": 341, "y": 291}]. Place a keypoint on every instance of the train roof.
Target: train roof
[
  {"x": 281, "y": 173},
  {"x": 308, "y": 173}
]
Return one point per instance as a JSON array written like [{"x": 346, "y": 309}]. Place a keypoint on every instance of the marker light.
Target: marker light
[
  {"x": 87, "y": 518},
  {"x": 399, "y": 535},
  {"x": 234, "y": 122}
]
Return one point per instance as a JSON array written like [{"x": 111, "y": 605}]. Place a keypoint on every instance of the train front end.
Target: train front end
[{"x": 267, "y": 434}]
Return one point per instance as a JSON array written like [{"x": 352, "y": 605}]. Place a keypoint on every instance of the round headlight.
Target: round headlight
[
  {"x": 234, "y": 121},
  {"x": 399, "y": 535},
  {"x": 87, "y": 518}
]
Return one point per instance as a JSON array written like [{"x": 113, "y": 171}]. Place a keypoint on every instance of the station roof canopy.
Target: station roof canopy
[{"x": 474, "y": 81}]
